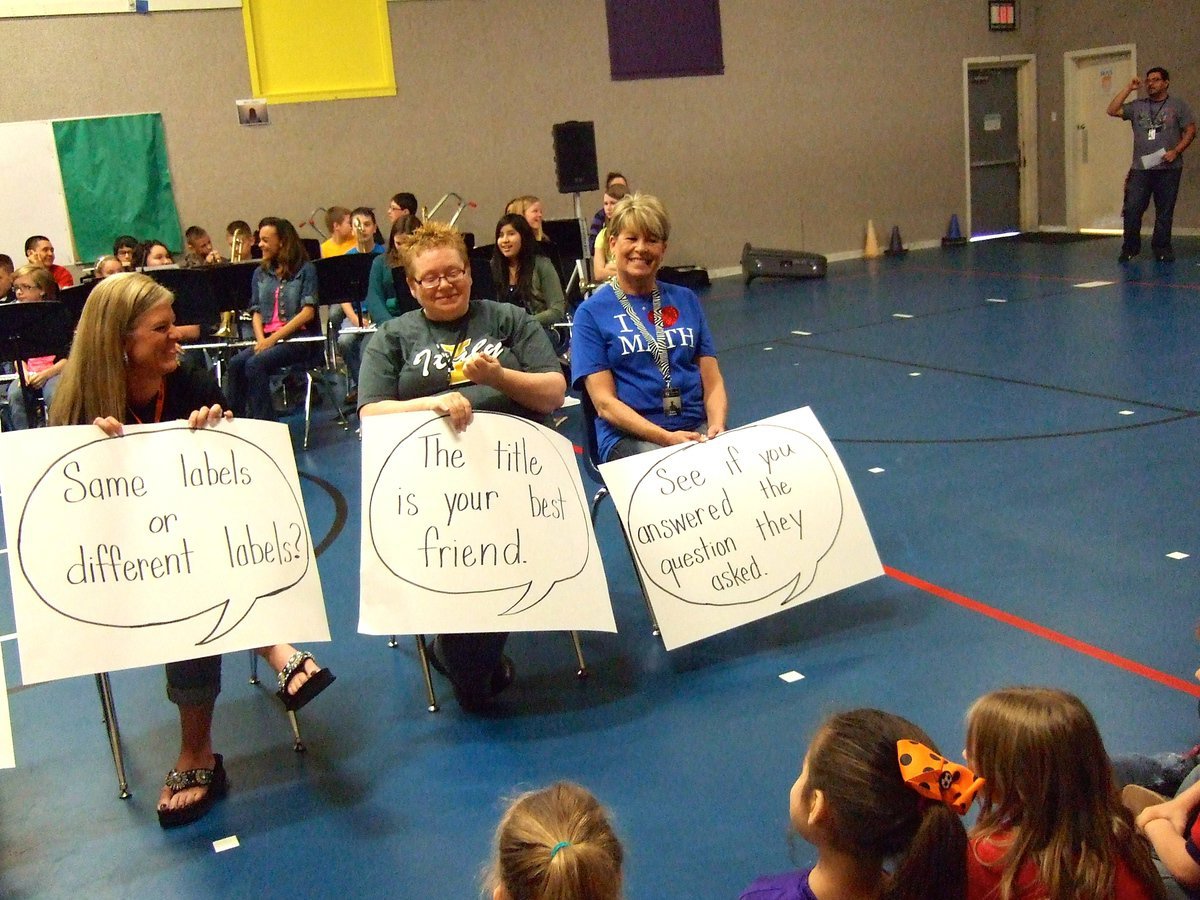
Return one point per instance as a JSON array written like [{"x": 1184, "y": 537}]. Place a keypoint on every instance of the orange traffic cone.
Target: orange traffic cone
[
  {"x": 895, "y": 245},
  {"x": 871, "y": 251}
]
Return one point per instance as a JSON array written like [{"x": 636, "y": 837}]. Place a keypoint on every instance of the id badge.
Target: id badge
[
  {"x": 672, "y": 402},
  {"x": 1151, "y": 133}
]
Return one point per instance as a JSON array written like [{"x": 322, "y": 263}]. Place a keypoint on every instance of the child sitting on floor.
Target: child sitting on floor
[
  {"x": 1051, "y": 825},
  {"x": 556, "y": 844},
  {"x": 873, "y": 789}
]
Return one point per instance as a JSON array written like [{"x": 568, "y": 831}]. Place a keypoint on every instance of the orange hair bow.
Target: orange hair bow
[{"x": 937, "y": 778}]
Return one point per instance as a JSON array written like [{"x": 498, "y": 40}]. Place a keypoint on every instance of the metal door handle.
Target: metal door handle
[{"x": 1083, "y": 146}]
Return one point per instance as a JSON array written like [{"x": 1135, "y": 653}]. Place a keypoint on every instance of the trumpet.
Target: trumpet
[
  {"x": 365, "y": 239},
  {"x": 239, "y": 247},
  {"x": 238, "y": 252}
]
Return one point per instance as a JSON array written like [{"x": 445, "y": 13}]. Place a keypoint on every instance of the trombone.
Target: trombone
[{"x": 463, "y": 205}]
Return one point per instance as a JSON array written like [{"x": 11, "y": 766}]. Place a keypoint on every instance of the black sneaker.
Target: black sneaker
[
  {"x": 1126, "y": 256},
  {"x": 1167, "y": 255}
]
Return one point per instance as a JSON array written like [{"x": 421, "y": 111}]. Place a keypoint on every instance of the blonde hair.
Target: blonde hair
[
  {"x": 100, "y": 261},
  {"x": 1050, "y": 797},
  {"x": 642, "y": 214},
  {"x": 93, "y": 382},
  {"x": 41, "y": 277},
  {"x": 518, "y": 205},
  {"x": 557, "y": 844},
  {"x": 431, "y": 236}
]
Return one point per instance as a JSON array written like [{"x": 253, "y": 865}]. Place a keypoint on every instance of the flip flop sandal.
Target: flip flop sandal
[
  {"x": 214, "y": 779},
  {"x": 317, "y": 681}
]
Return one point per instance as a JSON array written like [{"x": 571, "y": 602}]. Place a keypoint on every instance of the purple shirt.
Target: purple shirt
[{"x": 789, "y": 886}]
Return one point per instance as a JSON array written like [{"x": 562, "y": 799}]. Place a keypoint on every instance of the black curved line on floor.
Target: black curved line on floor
[
  {"x": 1015, "y": 437},
  {"x": 341, "y": 511},
  {"x": 1183, "y": 411}
]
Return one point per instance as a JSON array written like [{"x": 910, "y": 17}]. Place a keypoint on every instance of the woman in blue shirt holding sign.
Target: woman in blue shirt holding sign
[{"x": 643, "y": 350}]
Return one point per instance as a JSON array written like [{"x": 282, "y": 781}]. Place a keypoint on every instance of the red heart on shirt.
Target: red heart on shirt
[{"x": 670, "y": 315}]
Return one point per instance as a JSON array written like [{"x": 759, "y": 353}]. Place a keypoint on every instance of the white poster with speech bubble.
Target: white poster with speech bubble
[
  {"x": 478, "y": 531},
  {"x": 161, "y": 545},
  {"x": 736, "y": 529}
]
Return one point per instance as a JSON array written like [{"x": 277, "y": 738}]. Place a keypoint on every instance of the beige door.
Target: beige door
[{"x": 1101, "y": 146}]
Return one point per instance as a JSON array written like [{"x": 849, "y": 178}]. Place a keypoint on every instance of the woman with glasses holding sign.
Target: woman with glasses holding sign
[
  {"x": 643, "y": 350},
  {"x": 124, "y": 370},
  {"x": 454, "y": 356}
]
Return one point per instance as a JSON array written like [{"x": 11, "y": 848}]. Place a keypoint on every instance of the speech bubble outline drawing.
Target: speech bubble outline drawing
[
  {"x": 792, "y": 588},
  {"x": 226, "y": 620},
  {"x": 522, "y": 603}
]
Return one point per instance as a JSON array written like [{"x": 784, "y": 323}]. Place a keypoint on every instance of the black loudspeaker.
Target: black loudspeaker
[{"x": 575, "y": 157}]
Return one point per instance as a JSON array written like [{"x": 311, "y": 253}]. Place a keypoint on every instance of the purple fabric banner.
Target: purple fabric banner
[{"x": 664, "y": 38}]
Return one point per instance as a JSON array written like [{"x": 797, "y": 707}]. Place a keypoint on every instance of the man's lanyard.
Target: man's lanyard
[
  {"x": 658, "y": 343},
  {"x": 1156, "y": 120},
  {"x": 158, "y": 405}
]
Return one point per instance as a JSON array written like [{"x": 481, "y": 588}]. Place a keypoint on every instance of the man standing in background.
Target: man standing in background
[{"x": 1163, "y": 127}]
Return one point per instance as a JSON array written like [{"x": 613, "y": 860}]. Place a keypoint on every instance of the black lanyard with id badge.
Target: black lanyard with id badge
[{"x": 672, "y": 400}]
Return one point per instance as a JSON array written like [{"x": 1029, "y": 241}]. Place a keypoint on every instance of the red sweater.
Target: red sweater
[{"x": 984, "y": 868}]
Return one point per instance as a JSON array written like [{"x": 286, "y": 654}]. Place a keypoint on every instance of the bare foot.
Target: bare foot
[{"x": 168, "y": 799}]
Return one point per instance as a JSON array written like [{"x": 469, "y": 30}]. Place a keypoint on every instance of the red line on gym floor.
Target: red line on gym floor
[{"x": 1179, "y": 684}]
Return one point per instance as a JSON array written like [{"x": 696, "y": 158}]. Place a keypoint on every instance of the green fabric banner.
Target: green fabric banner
[{"x": 117, "y": 181}]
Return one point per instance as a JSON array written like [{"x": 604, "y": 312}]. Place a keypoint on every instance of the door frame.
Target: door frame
[
  {"x": 1026, "y": 66},
  {"x": 1070, "y": 86}
]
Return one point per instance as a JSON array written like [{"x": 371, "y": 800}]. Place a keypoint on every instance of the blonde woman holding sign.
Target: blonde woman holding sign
[
  {"x": 123, "y": 370},
  {"x": 643, "y": 350}
]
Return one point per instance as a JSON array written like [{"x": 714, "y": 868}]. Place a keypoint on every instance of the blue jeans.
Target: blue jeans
[
  {"x": 1140, "y": 186},
  {"x": 249, "y": 384},
  {"x": 16, "y": 401}
]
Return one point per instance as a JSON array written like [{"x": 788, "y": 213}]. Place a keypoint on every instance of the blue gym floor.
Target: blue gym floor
[{"x": 1039, "y": 460}]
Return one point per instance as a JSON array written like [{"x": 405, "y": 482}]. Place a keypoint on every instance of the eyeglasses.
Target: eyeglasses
[
  {"x": 432, "y": 280},
  {"x": 26, "y": 288}
]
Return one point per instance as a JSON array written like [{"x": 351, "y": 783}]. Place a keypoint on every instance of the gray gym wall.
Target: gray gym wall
[{"x": 830, "y": 112}]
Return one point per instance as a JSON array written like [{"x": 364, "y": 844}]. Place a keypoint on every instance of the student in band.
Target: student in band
[
  {"x": 6, "y": 279},
  {"x": 152, "y": 254},
  {"x": 124, "y": 370},
  {"x": 123, "y": 248},
  {"x": 200, "y": 251},
  {"x": 33, "y": 284},
  {"x": 523, "y": 276},
  {"x": 641, "y": 349},
  {"x": 402, "y": 204},
  {"x": 340, "y": 226},
  {"x": 601, "y": 216},
  {"x": 242, "y": 241},
  {"x": 40, "y": 252},
  {"x": 350, "y": 343},
  {"x": 603, "y": 266},
  {"x": 284, "y": 305},
  {"x": 105, "y": 266}
]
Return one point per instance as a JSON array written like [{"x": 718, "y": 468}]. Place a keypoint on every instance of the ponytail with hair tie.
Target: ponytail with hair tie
[{"x": 936, "y": 778}]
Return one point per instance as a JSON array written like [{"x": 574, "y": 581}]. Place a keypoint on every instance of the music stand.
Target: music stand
[
  {"x": 231, "y": 284},
  {"x": 344, "y": 279},
  {"x": 195, "y": 302},
  {"x": 75, "y": 297},
  {"x": 29, "y": 330},
  {"x": 405, "y": 301}
]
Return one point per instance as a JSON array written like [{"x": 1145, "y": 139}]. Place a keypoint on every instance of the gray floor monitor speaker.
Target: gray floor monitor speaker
[{"x": 759, "y": 261}]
